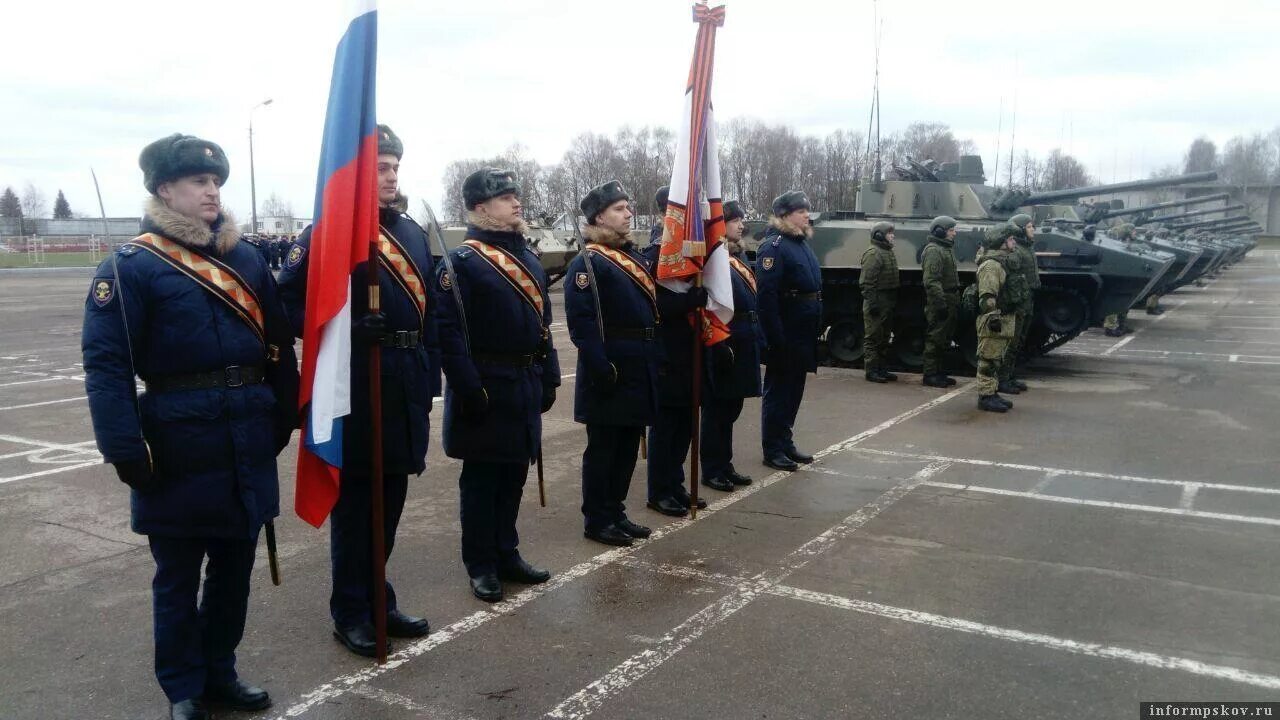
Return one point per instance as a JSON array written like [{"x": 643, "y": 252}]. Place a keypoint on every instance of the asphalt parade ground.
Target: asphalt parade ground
[{"x": 1113, "y": 539}]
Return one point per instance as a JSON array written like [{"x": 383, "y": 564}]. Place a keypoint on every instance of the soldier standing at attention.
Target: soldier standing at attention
[
  {"x": 503, "y": 372},
  {"x": 611, "y": 310},
  {"x": 1023, "y": 231},
  {"x": 789, "y": 282},
  {"x": 942, "y": 298},
  {"x": 994, "y": 324},
  {"x": 406, "y": 330},
  {"x": 734, "y": 370},
  {"x": 1115, "y": 324},
  {"x": 879, "y": 282},
  {"x": 195, "y": 314},
  {"x": 671, "y": 433},
  {"x": 1153, "y": 300}
]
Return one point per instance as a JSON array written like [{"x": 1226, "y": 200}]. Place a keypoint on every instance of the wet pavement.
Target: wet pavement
[{"x": 1111, "y": 540}]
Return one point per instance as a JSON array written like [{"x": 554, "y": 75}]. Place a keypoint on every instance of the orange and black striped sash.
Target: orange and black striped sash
[
  {"x": 399, "y": 264},
  {"x": 631, "y": 269},
  {"x": 516, "y": 275},
  {"x": 211, "y": 274},
  {"x": 748, "y": 276}
]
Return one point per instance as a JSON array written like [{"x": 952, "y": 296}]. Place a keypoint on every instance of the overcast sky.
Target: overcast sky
[{"x": 1125, "y": 86}]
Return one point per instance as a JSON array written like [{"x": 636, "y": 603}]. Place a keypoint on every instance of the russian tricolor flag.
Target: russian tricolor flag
[{"x": 346, "y": 220}]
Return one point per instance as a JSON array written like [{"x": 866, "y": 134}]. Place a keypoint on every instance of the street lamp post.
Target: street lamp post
[{"x": 253, "y": 189}]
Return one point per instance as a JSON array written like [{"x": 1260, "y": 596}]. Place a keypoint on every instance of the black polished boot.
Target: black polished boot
[
  {"x": 718, "y": 483},
  {"x": 237, "y": 695},
  {"x": 736, "y": 477},
  {"x": 669, "y": 506},
  {"x": 191, "y": 709},
  {"x": 780, "y": 461},
  {"x": 359, "y": 639},
  {"x": 609, "y": 535},
  {"x": 939, "y": 381},
  {"x": 400, "y": 625},
  {"x": 520, "y": 571},
  {"x": 991, "y": 403},
  {"x": 1007, "y": 386},
  {"x": 797, "y": 456},
  {"x": 632, "y": 529},
  {"x": 487, "y": 588}
]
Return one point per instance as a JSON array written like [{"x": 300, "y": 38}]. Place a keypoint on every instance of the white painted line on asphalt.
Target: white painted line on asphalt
[
  {"x": 42, "y": 444},
  {"x": 1188, "y": 499},
  {"x": 1249, "y": 519},
  {"x": 592, "y": 697},
  {"x": 1120, "y": 343},
  {"x": 396, "y": 700},
  {"x": 54, "y": 471},
  {"x": 43, "y": 450},
  {"x": 1246, "y": 327},
  {"x": 1239, "y": 342},
  {"x": 1073, "y": 473},
  {"x": 1110, "y": 652},
  {"x": 41, "y": 404},
  {"x": 1044, "y": 482},
  {"x": 1233, "y": 358},
  {"x": 342, "y": 684},
  {"x": 47, "y": 379}
]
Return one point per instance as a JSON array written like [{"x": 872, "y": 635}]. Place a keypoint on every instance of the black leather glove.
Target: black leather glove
[
  {"x": 137, "y": 475},
  {"x": 994, "y": 325},
  {"x": 548, "y": 397},
  {"x": 606, "y": 382},
  {"x": 371, "y": 328},
  {"x": 475, "y": 404},
  {"x": 696, "y": 298},
  {"x": 722, "y": 359}
]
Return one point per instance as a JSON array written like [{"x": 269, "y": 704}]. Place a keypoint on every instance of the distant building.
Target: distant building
[{"x": 278, "y": 225}]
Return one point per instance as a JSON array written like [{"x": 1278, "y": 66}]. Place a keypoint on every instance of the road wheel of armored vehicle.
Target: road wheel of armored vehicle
[
  {"x": 908, "y": 344},
  {"x": 844, "y": 339},
  {"x": 1062, "y": 312}
]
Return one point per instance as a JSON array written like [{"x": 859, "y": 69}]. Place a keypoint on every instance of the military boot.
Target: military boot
[
  {"x": 1007, "y": 402},
  {"x": 938, "y": 380},
  {"x": 1022, "y": 387},
  {"x": 888, "y": 376},
  {"x": 876, "y": 375},
  {"x": 1114, "y": 332},
  {"x": 1157, "y": 310},
  {"x": 1007, "y": 386},
  {"x": 991, "y": 403}
]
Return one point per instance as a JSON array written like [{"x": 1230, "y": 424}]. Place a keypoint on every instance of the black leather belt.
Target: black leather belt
[
  {"x": 504, "y": 359},
  {"x": 402, "y": 339},
  {"x": 229, "y": 377},
  {"x": 793, "y": 295},
  {"x": 749, "y": 315},
  {"x": 639, "y": 333}
]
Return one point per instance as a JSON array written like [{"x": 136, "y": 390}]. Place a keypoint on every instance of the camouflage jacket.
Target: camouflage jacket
[
  {"x": 879, "y": 270},
  {"x": 1028, "y": 257},
  {"x": 992, "y": 281},
  {"x": 939, "y": 265},
  {"x": 1017, "y": 293}
]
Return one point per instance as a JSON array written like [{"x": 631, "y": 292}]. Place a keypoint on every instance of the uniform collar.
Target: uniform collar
[{"x": 507, "y": 239}]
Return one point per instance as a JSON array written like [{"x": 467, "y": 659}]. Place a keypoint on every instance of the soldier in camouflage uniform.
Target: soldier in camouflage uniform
[
  {"x": 1153, "y": 300},
  {"x": 995, "y": 324},
  {"x": 879, "y": 281},
  {"x": 1023, "y": 230},
  {"x": 942, "y": 298},
  {"x": 1114, "y": 324}
]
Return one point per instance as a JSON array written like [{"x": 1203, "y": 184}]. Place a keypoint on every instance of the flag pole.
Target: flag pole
[{"x": 375, "y": 454}]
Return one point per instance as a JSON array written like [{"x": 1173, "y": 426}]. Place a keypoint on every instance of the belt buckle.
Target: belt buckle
[
  {"x": 648, "y": 333},
  {"x": 402, "y": 338},
  {"x": 233, "y": 376}
]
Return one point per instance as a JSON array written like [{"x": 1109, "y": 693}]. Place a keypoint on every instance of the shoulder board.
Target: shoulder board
[
  {"x": 127, "y": 250},
  {"x": 777, "y": 241},
  {"x": 462, "y": 252}
]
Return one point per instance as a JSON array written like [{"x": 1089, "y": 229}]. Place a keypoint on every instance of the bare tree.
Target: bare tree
[
  {"x": 34, "y": 202},
  {"x": 1061, "y": 171},
  {"x": 930, "y": 141},
  {"x": 1247, "y": 160},
  {"x": 1201, "y": 156},
  {"x": 274, "y": 206}
]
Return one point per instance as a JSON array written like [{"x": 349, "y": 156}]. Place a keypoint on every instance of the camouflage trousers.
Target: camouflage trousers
[
  {"x": 941, "y": 317},
  {"x": 992, "y": 349},
  {"x": 1115, "y": 321},
  {"x": 876, "y": 328},
  {"x": 1019, "y": 340}
]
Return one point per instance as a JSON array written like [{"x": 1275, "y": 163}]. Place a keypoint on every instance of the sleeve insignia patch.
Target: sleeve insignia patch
[
  {"x": 766, "y": 263},
  {"x": 582, "y": 280},
  {"x": 102, "y": 290},
  {"x": 295, "y": 256},
  {"x": 446, "y": 283}
]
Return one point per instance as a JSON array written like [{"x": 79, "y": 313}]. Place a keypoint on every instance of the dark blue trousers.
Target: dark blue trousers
[
  {"x": 351, "y": 545},
  {"x": 783, "y": 391},
  {"x": 194, "y": 645},
  {"x": 718, "y": 417},
  {"x": 607, "y": 465},
  {"x": 669, "y": 441},
  {"x": 490, "y": 494}
]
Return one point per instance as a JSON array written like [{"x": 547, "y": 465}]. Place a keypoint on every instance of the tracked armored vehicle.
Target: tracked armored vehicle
[{"x": 1083, "y": 280}]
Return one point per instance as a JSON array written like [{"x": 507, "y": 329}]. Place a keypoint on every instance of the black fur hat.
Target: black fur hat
[
  {"x": 600, "y": 198},
  {"x": 789, "y": 202},
  {"x": 389, "y": 143},
  {"x": 488, "y": 183},
  {"x": 733, "y": 210},
  {"x": 660, "y": 198},
  {"x": 178, "y": 156}
]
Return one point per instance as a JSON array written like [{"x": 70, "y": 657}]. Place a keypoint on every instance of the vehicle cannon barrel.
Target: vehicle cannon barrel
[
  {"x": 1221, "y": 222},
  {"x": 1193, "y": 214},
  {"x": 1139, "y": 209},
  {"x": 1013, "y": 199}
]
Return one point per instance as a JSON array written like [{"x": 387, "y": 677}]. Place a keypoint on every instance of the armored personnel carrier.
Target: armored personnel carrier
[{"x": 1083, "y": 279}]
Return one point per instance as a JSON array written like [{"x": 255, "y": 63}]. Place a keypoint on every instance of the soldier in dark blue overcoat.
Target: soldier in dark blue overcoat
[
  {"x": 495, "y": 320},
  {"x": 194, "y": 313},
  {"x": 406, "y": 331},
  {"x": 790, "y": 305},
  {"x": 734, "y": 370},
  {"x": 612, "y": 314}
]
